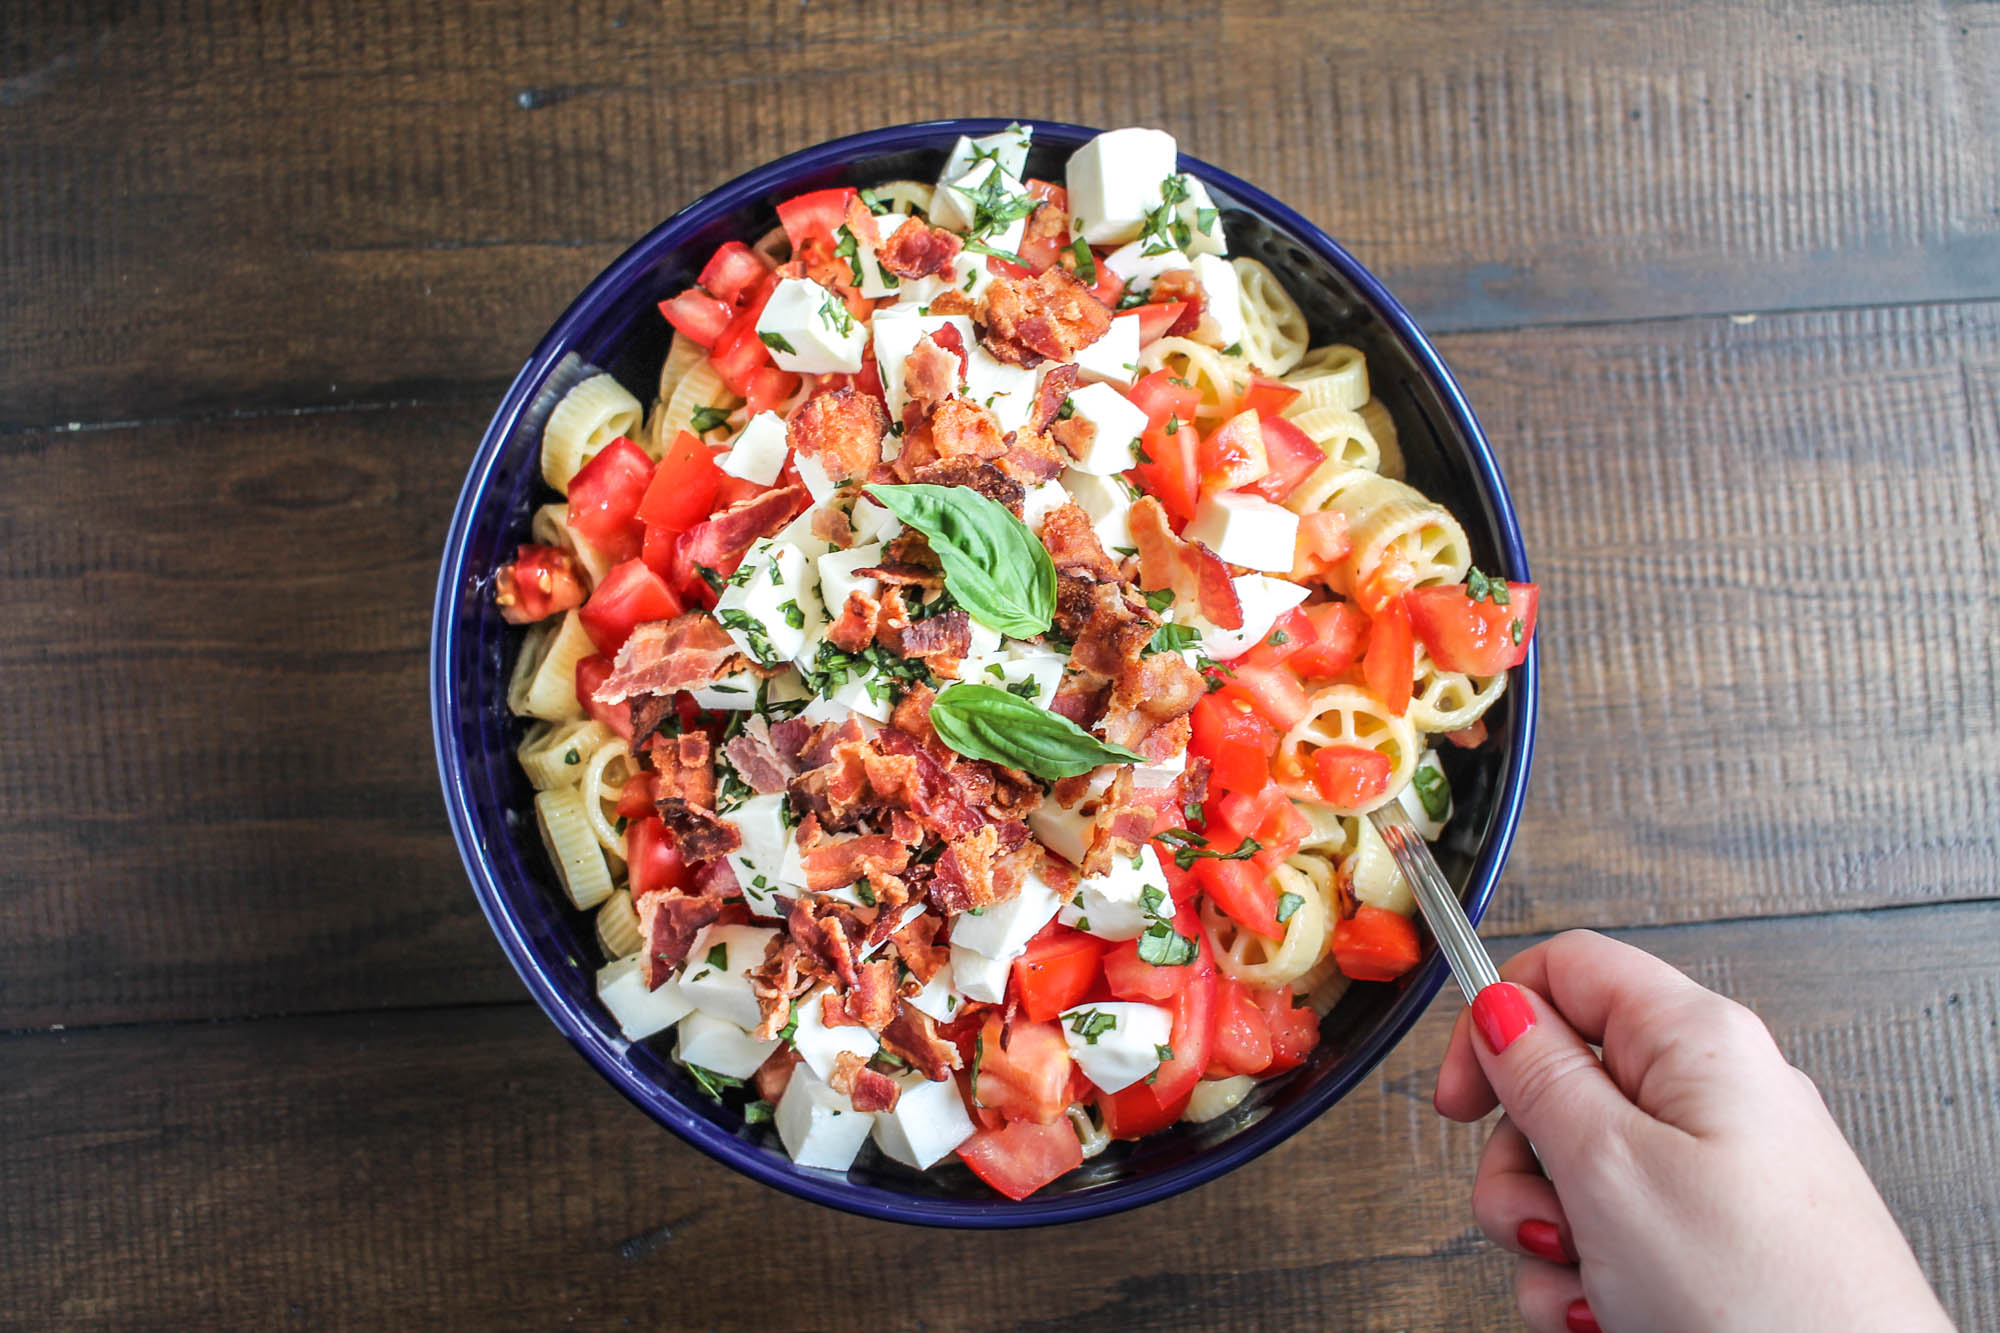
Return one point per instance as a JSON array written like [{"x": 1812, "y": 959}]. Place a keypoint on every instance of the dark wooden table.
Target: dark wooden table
[{"x": 1722, "y": 280}]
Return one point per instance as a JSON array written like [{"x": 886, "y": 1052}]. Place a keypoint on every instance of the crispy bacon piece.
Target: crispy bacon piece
[
  {"x": 776, "y": 982},
  {"x": 834, "y": 526},
  {"x": 917, "y": 945},
  {"x": 757, "y": 758},
  {"x": 1080, "y": 698},
  {"x": 839, "y": 861},
  {"x": 946, "y": 635},
  {"x": 974, "y": 474},
  {"x": 931, "y": 374},
  {"x": 841, "y": 428},
  {"x": 1116, "y": 633},
  {"x": 1058, "y": 383},
  {"x": 1076, "y": 596},
  {"x": 860, "y": 220},
  {"x": 961, "y": 428},
  {"x": 1032, "y": 457},
  {"x": 953, "y": 302},
  {"x": 1044, "y": 318},
  {"x": 854, "y": 628},
  {"x": 918, "y": 250},
  {"x": 666, "y": 655},
  {"x": 670, "y": 921},
  {"x": 775, "y": 1074},
  {"x": 868, "y": 1089},
  {"x": 1119, "y": 829},
  {"x": 827, "y": 933},
  {"x": 912, "y": 1035},
  {"x": 686, "y": 768},
  {"x": 650, "y": 713},
  {"x": 912, "y": 714},
  {"x": 697, "y": 832},
  {"x": 1075, "y": 435},
  {"x": 1149, "y": 693},
  {"x": 715, "y": 879},
  {"x": 939, "y": 801},
  {"x": 721, "y": 539},
  {"x": 1073, "y": 546},
  {"x": 871, "y": 1002},
  {"x": 1048, "y": 228},
  {"x": 1180, "y": 285},
  {"x": 1196, "y": 575},
  {"x": 965, "y": 876}
]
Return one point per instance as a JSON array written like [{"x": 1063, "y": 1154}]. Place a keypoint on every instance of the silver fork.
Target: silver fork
[{"x": 1470, "y": 963}]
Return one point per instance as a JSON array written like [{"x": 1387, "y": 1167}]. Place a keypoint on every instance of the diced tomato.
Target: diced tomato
[
  {"x": 604, "y": 498},
  {"x": 1290, "y": 633},
  {"x": 733, "y": 272},
  {"x": 768, "y": 388},
  {"x": 1480, "y": 638},
  {"x": 592, "y": 672},
  {"x": 1047, "y": 192},
  {"x": 654, "y": 862},
  {"x": 739, "y": 353},
  {"x": 1323, "y": 541},
  {"x": 1232, "y": 454},
  {"x": 636, "y": 800},
  {"x": 1242, "y": 1037},
  {"x": 1156, "y": 319},
  {"x": 1056, "y": 971},
  {"x": 1389, "y": 667},
  {"x": 1135, "y": 1111},
  {"x": 1193, "y": 1031},
  {"x": 1469, "y": 738},
  {"x": 658, "y": 553},
  {"x": 1027, "y": 1078},
  {"x": 1265, "y": 397},
  {"x": 1020, "y": 1157},
  {"x": 1243, "y": 892},
  {"x": 1169, "y": 471},
  {"x": 1131, "y": 977},
  {"x": 1349, "y": 776},
  {"x": 682, "y": 492},
  {"x": 1273, "y": 691},
  {"x": 698, "y": 315},
  {"x": 1160, "y": 397},
  {"x": 814, "y": 216},
  {"x": 1265, "y": 814},
  {"x": 1292, "y": 457},
  {"x": 1339, "y": 634},
  {"x": 869, "y": 380},
  {"x": 1294, "y": 1028},
  {"x": 1235, "y": 740},
  {"x": 631, "y": 595},
  {"x": 1108, "y": 287},
  {"x": 1376, "y": 944},
  {"x": 539, "y": 582}
]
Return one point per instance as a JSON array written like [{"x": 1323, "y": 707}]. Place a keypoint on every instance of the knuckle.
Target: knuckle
[{"x": 1541, "y": 1077}]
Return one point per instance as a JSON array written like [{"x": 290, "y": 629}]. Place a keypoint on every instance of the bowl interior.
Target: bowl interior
[{"x": 614, "y": 326}]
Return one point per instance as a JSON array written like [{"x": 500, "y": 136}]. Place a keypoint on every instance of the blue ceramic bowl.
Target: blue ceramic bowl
[{"x": 613, "y": 325}]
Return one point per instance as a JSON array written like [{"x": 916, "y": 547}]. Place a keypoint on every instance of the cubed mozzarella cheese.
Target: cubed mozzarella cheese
[
  {"x": 760, "y": 862},
  {"x": 1122, "y": 902},
  {"x": 1117, "y": 1044},
  {"x": 1114, "y": 182},
  {"x": 986, "y": 641},
  {"x": 1067, "y": 833},
  {"x": 819, "y": 1045},
  {"x": 897, "y": 334},
  {"x": 1109, "y": 501},
  {"x": 978, "y": 977},
  {"x": 916, "y": 294},
  {"x": 799, "y": 533},
  {"x": 1116, "y": 425},
  {"x": 772, "y": 610},
  {"x": 1203, "y": 220},
  {"x": 939, "y": 998},
  {"x": 1221, "y": 302},
  {"x": 733, "y": 693},
  {"x": 819, "y": 485},
  {"x": 621, "y": 985},
  {"x": 1001, "y": 930},
  {"x": 1246, "y": 529},
  {"x": 877, "y": 283},
  {"x": 715, "y": 978},
  {"x": 837, "y": 577},
  {"x": 758, "y": 452},
  {"x": 1431, "y": 827},
  {"x": 1263, "y": 599},
  {"x": 956, "y": 205},
  {"x": 1113, "y": 358},
  {"x": 792, "y": 861},
  {"x": 1151, "y": 777},
  {"x": 1043, "y": 500},
  {"x": 720, "y": 1046},
  {"x": 927, "y": 1122},
  {"x": 970, "y": 274},
  {"x": 818, "y": 1126},
  {"x": 810, "y": 330},
  {"x": 1143, "y": 262},
  {"x": 873, "y": 523},
  {"x": 1017, "y": 669},
  {"x": 1009, "y": 146},
  {"x": 1007, "y": 391}
]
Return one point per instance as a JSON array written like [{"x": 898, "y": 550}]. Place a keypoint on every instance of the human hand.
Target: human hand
[{"x": 1694, "y": 1179}]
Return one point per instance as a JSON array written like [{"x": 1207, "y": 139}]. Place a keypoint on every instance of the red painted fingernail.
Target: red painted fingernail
[
  {"x": 1502, "y": 1014},
  {"x": 1579, "y": 1319},
  {"x": 1543, "y": 1240}
]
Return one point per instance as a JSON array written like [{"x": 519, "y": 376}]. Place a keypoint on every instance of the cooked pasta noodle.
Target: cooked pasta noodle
[
  {"x": 1220, "y": 379},
  {"x": 590, "y": 416},
  {"x": 534, "y": 651},
  {"x": 550, "y": 690},
  {"x": 1089, "y": 1131},
  {"x": 1274, "y": 328},
  {"x": 1372, "y": 875},
  {"x": 1214, "y": 1097},
  {"x": 911, "y": 196},
  {"x": 682, "y": 356},
  {"x": 1349, "y": 715},
  {"x": 618, "y": 926},
  {"x": 1383, "y": 427},
  {"x": 1335, "y": 375},
  {"x": 1330, "y": 833},
  {"x": 774, "y": 247},
  {"x": 1349, "y": 444},
  {"x": 1391, "y": 525},
  {"x": 1256, "y": 961},
  {"x": 554, "y": 753},
  {"x": 572, "y": 847},
  {"x": 609, "y": 767},
  {"x": 1323, "y": 986},
  {"x": 551, "y": 528},
  {"x": 1443, "y": 700},
  {"x": 702, "y": 386}
]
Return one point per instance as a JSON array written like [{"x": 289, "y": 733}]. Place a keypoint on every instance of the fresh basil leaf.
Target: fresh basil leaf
[
  {"x": 1288, "y": 903},
  {"x": 982, "y": 722},
  {"x": 1163, "y": 946},
  {"x": 711, "y": 1082},
  {"x": 778, "y": 342},
  {"x": 1086, "y": 263},
  {"x": 1187, "y": 856},
  {"x": 1433, "y": 790},
  {"x": 759, "y": 1112},
  {"x": 706, "y": 419},
  {"x": 1482, "y": 589},
  {"x": 1172, "y": 638},
  {"x": 1090, "y": 1024},
  {"x": 994, "y": 566}
]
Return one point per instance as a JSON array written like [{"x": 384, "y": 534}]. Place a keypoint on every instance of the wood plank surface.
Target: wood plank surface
[
  {"x": 1769, "y": 685},
  {"x": 464, "y": 1169},
  {"x": 214, "y": 205}
]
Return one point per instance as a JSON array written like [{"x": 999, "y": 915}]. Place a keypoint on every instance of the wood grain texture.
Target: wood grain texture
[
  {"x": 464, "y": 1169},
  {"x": 1769, "y": 665},
  {"x": 214, "y": 205}
]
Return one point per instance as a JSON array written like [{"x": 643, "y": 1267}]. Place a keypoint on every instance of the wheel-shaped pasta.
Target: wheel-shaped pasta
[
  {"x": 548, "y": 691},
  {"x": 1443, "y": 700},
  {"x": 618, "y": 927},
  {"x": 550, "y": 527},
  {"x": 910, "y": 196},
  {"x": 702, "y": 386},
  {"x": 1349, "y": 715},
  {"x": 1088, "y": 1122},
  {"x": 1335, "y": 376},
  {"x": 573, "y": 848},
  {"x": 1256, "y": 961},
  {"x": 1219, "y": 379},
  {"x": 1383, "y": 427},
  {"x": 1349, "y": 445},
  {"x": 590, "y": 416},
  {"x": 1274, "y": 328},
  {"x": 1395, "y": 532},
  {"x": 774, "y": 247},
  {"x": 683, "y": 355},
  {"x": 1214, "y": 1097},
  {"x": 1371, "y": 873},
  {"x": 1329, "y": 831},
  {"x": 554, "y": 754},
  {"x": 607, "y": 769}
]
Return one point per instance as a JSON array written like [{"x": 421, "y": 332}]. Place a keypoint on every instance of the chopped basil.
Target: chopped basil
[
  {"x": 1152, "y": 899},
  {"x": 1181, "y": 837},
  {"x": 1160, "y": 599},
  {"x": 876, "y": 204},
  {"x": 711, "y": 1082},
  {"x": 865, "y": 892},
  {"x": 572, "y": 757},
  {"x": 618, "y": 825},
  {"x": 706, "y": 419},
  {"x": 1162, "y": 946},
  {"x": 1482, "y": 589},
  {"x": 1083, "y": 923},
  {"x": 1514, "y": 631},
  {"x": 1026, "y": 689},
  {"x": 1193, "y": 811},
  {"x": 1205, "y": 220},
  {"x": 833, "y": 313},
  {"x": 1234, "y": 349},
  {"x": 1173, "y": 638},
  {"x": 758, "y": 1112},
  {"x": 1173, "y": 424},
  {"x": 1433, "y": 790},
  {"x": 717, "y": 958},
  {"x": 978, "y": 1058},
  {"x": 845, "y": 246},
  {"x": 1090, "y": 1024},
  {"x": 1288, "y": 903},
  {"x": 753, "y": 633},
  {"x": 994, "y": 207},
  {"x": 1187, "y": 856},
  {"x": 710, "y": 577},
  {"x": 777, "y": 342},
  {"x": 793, "y": 615},
  {"x": 1086, "y": 263},
  {"x": 1067, "y": 410},
  {"x": 1278, "y": 638},
  {"x": 744, "y": 573},
  {"x": 1164, "y": 1052},
  {"x": 788, "y": 1034}
]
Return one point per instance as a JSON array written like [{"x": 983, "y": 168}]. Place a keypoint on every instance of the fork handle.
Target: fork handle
[{"x": 1470, "y": 963}]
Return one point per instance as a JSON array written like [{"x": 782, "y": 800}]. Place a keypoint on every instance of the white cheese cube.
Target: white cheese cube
[
  {"x": 819, "y": 485},
  {"x": 970, "y": 274},
  {"x": 771, "y": 611},
  {"x": 799, "y": 533},
  {"x": 1113, "y": 358},
  {"x": 1114, "y": 182},
  {"x": 873, "y": 523},
  {"x": 1151, "y": 777},
  {"x": 876, "y": 281},
  {"x": 621, "y": 986},
  {"x": 1040, "y": 665},
  {"x": 1116, "y": 1044},
  {"x": 719, "y": 1046},
  {"x": 1203, "y": 220},
  {"x": 1043, "y": 500},
  {"x": 928, "y": 1121},
  {"x": 986, "y": 641},
  {"x": 1109, "y": 501},
  {"x": 760, "y": 862},
  {"x": 1221, "y": 302},
  {"x": 978, "y": 977},
  {"x": 1007, "y": 391},
  {"x": 810, "y": 330},
  {"x": 1263, "y": 599},
  {"x": 1009, "y": 147},
  {"x": 1246, "y": 529},
  {"x": 837, "y": 577},
  {"x": 856, "y": 696},
  {"x": 1413, "y": 803},
  {"x": 916, "y": 294},
  {"x": 818, "y": 1126},
  {"x": 1117, "y": 423},
  {"x": 733, "y": 693},
  {"x": 1143, "y": 263},
  {"x": 758, "y": 452},
  {"x": 792, "y": 861},
  {"x": 819, "y": 1045},
  {"x": 1002, "y": 930},
  {"x": 714, "y": 979},
  {"x": 939, "y": 998},
  {"x": 1122, "y": 902},
  {"x": 957, "y": 202},
  {"x": 1067, "y": 833},
  {"x": 897, "y": 334}
]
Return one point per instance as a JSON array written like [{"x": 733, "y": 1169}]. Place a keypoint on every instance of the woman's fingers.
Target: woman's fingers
[
  {"x": 1514, "y": 1203},
  {"x": 1463, "y": 1094},
  {"x": 1545, "y": 1294}
]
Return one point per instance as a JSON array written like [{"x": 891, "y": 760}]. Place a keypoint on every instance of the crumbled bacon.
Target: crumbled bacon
[
  {"x": 1149, "y": 693},
  {"x": 913, "y": 1036},
  {"x": 945, "y": 635},
  {"x": 684, "y": 653},
  {"x": 1080, "y": 698},
  {"x": 1075, "y": 435},
  {"x": 1044, "y": 318},
  {"x": 1073, "y": 545},
  {"x": 669, "y": 921},
  {"x": 912, "y": 714},
  {"x": 871, "y": 1002},
  {"x": 776, "y": 982},
  {"x": 973, "y": 474},
  {"x": 1196, "y": 576},
  {"x": 859, "y": 219},
  {"x": 686, "y": 768},
  {"x": 1032, "y": 457},
  {"x": 1076, "y": 596},
  {"x": 868, "y": 1089},
  {"x": 757, "y": 758},
  {"x": 834, "y": 526},
  {"x": 952, "y": 302},
  {"x": 791, "y": 737},
  {"x": 775, "y": 1074},
  {"x": 720, "y": 540},
  {"x": 827, "y": 933},
  {"x": 854, "y": 628},
  {"x": 1056, "y": 386},
  {"x": 918, "y": 250},
  {"x": 1180, "y": 285},
  {"x": 965, "y": 873},
  {"x": 931, "y": 374},
  {"x": 961, "y": 428},
  {"x": 1047, "y": 229},
  {"x": 939, "y": 801},
  {"x": 650, "y": 714},
  {"x": 1119, "y": 829},
  {"x": 841, "y": 428},
  {"x": 716, "y": 879},
  {"x": 698, "y": 834},
  {"x": 1115, "y": 635},
  {"x": 917, "y": 945},
  {"x": 840, "y": 861}
]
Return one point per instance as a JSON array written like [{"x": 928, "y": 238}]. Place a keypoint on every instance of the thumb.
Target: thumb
[{"x": 1553, "y": 1085}]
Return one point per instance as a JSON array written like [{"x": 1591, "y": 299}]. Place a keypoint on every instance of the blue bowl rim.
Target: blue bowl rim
[{"x": 836, "y": 1191}]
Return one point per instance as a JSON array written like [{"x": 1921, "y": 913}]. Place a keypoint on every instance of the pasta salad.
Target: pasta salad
[{"x": 958, "y": 692}]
